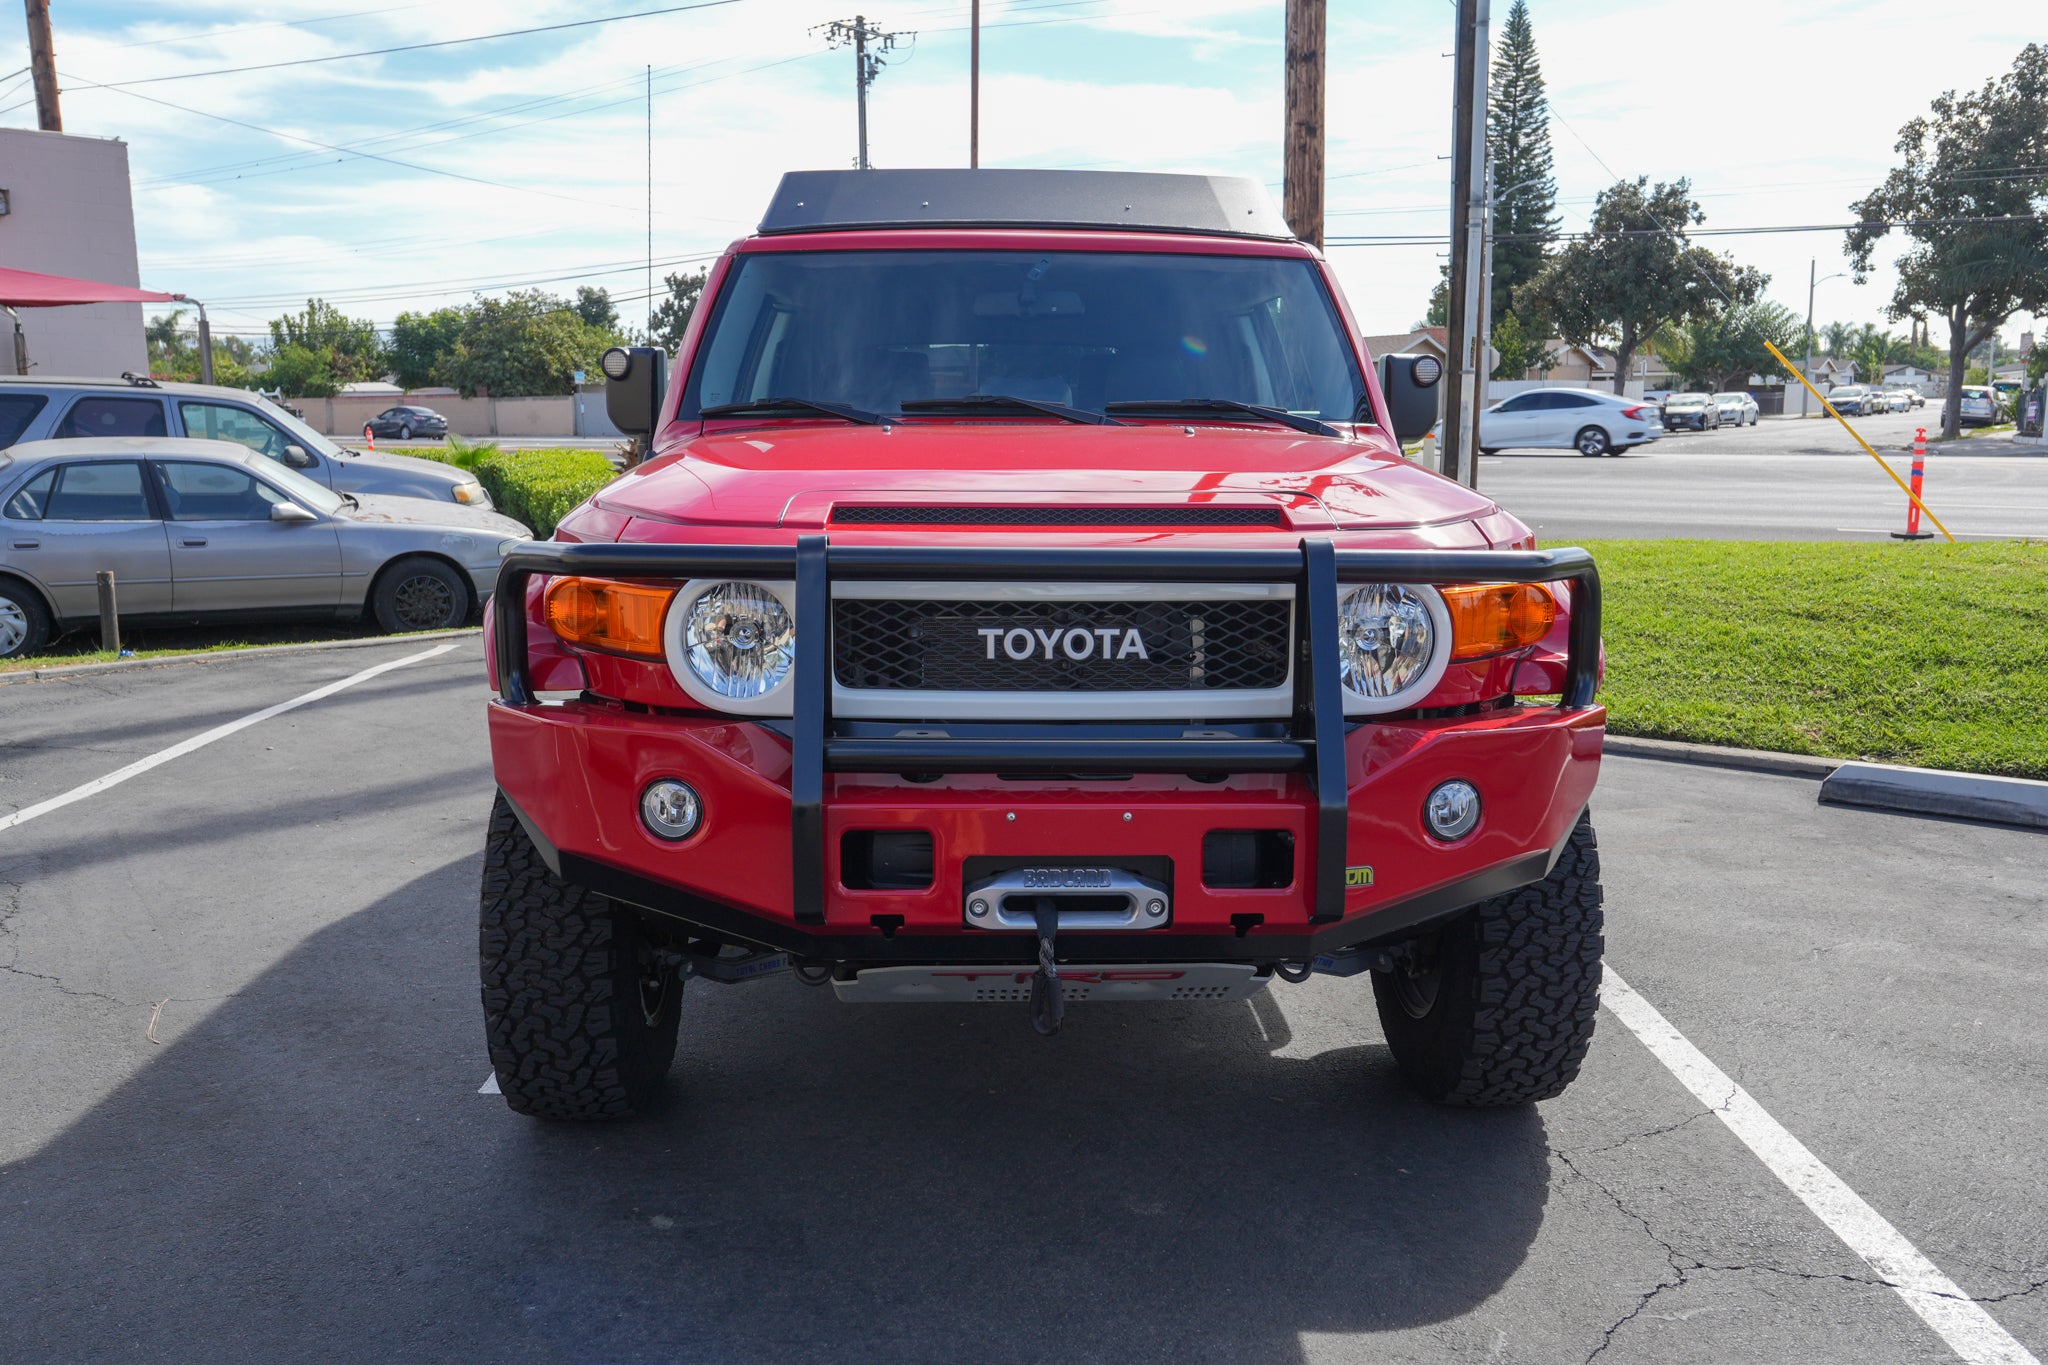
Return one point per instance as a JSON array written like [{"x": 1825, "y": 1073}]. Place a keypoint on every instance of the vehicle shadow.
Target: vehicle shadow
[{"x": 309, "y": 1172}]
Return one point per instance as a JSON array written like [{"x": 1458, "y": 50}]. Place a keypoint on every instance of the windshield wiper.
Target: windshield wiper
[
  {"x": 983, "y": 402},
  {"x": 763, "y": 407},
  {"x": 1167, "y": 407}
]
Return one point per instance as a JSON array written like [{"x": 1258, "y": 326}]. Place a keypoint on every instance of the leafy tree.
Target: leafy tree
[
  {"x": 1720, "y": 350},
  {"x": 299, "y": 371},
  {"x": 1872, "y": 351},
  {"x": 672, "y": 314},
  {"x": 528, "y": 342},
  {"x": 174, "y": 352},
  {"x": 1520, "y": 349},
  {"x": 1518, "y": 143},
  {"x": 1971, "y": 195},
  {"x": 352, "y": 348},
  {"x": 1439, "y": 311},
  {"x": 1838, "y": 337},
  {"x": 420, "y": 342},
  {"x": 1635, "y": 272},
  {"x": 594, "y": 306}
]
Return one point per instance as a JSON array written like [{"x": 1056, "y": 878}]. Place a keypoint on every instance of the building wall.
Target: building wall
[
  {"x": 476, "y": 417},
  {"x": 70, "y": 213}
]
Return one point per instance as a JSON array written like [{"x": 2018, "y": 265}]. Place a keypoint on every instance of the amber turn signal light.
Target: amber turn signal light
[
  {"x": 1498, "y": 617},
  {"x": 620, "y": 618}
]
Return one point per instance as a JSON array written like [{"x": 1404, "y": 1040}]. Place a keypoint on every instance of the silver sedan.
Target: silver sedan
[{"x": 197, "y": 530}]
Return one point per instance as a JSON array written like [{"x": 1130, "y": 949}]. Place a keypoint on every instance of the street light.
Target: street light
[{"x": 1812, "y": 283}]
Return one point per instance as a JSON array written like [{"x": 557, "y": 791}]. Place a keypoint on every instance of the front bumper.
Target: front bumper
[{"x": 779, "y": 797}]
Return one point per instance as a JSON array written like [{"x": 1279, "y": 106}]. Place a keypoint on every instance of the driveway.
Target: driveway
[{"x": 244, "y": 1122}]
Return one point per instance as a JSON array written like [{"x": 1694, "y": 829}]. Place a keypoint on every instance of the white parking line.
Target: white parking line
[
  {"x": 200, "y": 741},
  {"x": 1970, "y": 1331}
]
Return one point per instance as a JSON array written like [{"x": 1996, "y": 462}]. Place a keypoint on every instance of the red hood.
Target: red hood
[{"x": 793, "y": 475}]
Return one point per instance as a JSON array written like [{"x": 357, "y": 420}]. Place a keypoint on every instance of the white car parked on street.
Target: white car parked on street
[
  {"x": 1589, "y": 422},
  {"x": 1737, "y": 409}
]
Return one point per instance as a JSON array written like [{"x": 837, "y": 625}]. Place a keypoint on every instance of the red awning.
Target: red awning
[{"x": 28, "y": 289}]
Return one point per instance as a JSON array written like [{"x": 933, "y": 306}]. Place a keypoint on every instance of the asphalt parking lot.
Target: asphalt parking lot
[
  {"x": 1778, "y": 480},
  {"x": 244, "y": 1055}
]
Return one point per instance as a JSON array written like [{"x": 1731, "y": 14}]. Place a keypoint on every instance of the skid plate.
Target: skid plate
[{"x": 1078, "y": 981}]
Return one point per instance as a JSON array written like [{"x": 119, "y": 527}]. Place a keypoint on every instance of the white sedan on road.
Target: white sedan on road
[
  {"x": 1584, "y": 420},
  {"x": 1737, "y": 409}
]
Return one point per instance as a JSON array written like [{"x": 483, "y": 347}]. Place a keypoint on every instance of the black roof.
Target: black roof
[{"x": 1213, "y": 205}]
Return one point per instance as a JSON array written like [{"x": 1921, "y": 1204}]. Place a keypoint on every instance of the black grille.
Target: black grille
[
  {"x": 1057, "y": 516},
  {"x": 939, "y": 647}
]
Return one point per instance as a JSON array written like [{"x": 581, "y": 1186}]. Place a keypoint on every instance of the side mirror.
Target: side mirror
[
  {"x": 297, "y": 458},
  {"x": 290, "y": 512},
  {"x": 1409, "y": 382},
  {"x": 634, "y": 380}
]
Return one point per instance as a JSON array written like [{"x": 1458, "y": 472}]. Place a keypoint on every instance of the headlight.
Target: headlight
[
  {"x": 472, "y": 494},
  {"x": 1393, "y": 644},
  {"x": 739, "y": 640}
]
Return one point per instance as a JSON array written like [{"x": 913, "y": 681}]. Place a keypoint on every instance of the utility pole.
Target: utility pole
[
  {"x": 1468, "y": 218},
  {"x": 650, "y": 204},
  {"x": 1812, "y": 265},
  {"x": 42, "y": 60},
  {"x": 1302, "y": 153},
  {"x": 867, "y": 64},
  {"x": 974, "y": 86}
]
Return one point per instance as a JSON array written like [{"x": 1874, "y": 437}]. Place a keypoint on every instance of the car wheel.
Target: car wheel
[
  {"x": 1497, "y": 1007},
  {"x": 418, "y": 593},
  {"x": 24, "y": 623},
  {"x": 405, "y": 433},
  {"x": 581, "y": 1006},
  {"x": 1591, "y": 441}
]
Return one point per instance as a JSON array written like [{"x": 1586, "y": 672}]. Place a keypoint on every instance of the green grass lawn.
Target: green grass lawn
[{"x": 1925, "y": 654}]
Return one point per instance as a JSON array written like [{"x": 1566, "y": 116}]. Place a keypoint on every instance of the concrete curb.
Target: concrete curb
[
  {"x": 220, "y": 655},
  {"x": 1718, "y": 756},
  {"x": 1931, "y": 791}
]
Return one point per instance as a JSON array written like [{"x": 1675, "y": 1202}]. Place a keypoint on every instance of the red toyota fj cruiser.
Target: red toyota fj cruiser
[{"x": 1026, "y": 599}]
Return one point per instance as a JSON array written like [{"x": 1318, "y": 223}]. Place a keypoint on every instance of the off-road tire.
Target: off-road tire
[
  {"x": 566, "y": 1014},
  {"x": 1517, "y": 983},
  {"x": 419, "y": 592},
  {"x": 24, "y": 622}
]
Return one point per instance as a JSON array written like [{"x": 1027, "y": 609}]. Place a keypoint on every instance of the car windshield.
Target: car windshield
[
  {"x": 300, "y": 432},
  {"x": 874, "y": 330},
  {"x": 1687, "y": 400},
  {"x": 298, "y": 487}
]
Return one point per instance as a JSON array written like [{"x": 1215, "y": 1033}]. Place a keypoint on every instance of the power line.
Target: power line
[{"x": 418, "y": 47}]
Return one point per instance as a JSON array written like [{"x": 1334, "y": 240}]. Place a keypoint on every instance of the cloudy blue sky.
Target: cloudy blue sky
[{"x": 414, "y": 179}]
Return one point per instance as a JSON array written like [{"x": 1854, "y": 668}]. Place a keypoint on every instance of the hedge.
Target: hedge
[{"x": 538, "y": 487}]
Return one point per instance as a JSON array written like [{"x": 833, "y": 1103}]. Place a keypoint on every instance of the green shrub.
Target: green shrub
[{"x": 540, "y": 487}]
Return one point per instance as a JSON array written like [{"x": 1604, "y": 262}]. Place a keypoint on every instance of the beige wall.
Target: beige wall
[
  {"x": 550, "y": 416},
  {"x": 69, "y": 213}
]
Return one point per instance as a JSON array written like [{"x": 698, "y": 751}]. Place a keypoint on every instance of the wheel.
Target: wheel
[
  {"x": 24, "y": 623},
  {"x": 580, "y": 1009},
  {"x": 405, "y": 433},
  {"x": 1496, "y": 1008},
  {"x": 418, "y": 593},
  {"x": 1621, "y": 450},
  {"x": 1591, "y": 441}
]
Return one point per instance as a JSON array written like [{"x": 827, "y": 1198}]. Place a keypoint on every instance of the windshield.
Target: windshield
[
  {"x": 297, "y": 487},
  {"x": 873, "y": 330},
  {"x": 303, "y": 434}
]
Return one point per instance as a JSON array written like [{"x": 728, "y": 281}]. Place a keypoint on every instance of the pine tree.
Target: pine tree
[{"x": 1518, "y": 141}]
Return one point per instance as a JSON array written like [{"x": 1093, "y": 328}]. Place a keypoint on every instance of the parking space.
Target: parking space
[{"x": 298, "y": 1164}]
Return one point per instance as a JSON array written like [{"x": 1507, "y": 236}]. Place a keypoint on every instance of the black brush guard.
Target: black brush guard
[{"x": 1315, "y": 748}]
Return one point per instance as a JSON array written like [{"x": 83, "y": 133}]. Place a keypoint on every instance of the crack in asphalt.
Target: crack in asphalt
[{"x": 1685, "y": 1266}]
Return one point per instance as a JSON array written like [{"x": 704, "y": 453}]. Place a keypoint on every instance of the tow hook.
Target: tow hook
[
  {"x": 1296, "y": 972},
  {"x": 1047, "y": 1006}
]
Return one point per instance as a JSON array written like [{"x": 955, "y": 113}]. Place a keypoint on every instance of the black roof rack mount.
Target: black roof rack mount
[{"x": 1210, "y": 205}]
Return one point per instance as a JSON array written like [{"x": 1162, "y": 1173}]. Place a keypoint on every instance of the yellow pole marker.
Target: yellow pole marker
[{"x": 1793, "y": 370}]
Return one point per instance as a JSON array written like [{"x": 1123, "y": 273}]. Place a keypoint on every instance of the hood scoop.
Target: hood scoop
[{"x": 1091, "y": 515}]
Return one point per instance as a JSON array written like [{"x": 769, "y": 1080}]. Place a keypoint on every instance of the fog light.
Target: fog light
[
  {"x": 1452, "y": 810},
  {"x": 670, "y": 810}
]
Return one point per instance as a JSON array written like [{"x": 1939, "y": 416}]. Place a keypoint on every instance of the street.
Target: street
[
  {"x": 244, "y": 1123},
  {"x": 1778, "y": 480}
]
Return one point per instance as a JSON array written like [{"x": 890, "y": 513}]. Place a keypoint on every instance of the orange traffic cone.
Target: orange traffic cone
[{"x": 370, "y": 435}]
